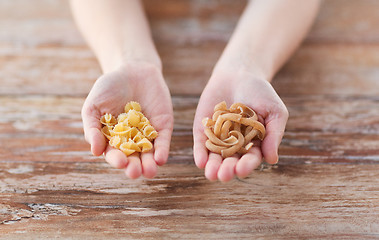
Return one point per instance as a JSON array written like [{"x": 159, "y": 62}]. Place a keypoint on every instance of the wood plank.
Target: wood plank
[
  {"x": 61, "y": 64},
  {"x": 346, "y": 22},
  {"x": 340, "y": 69},
  {"x": 314, "y": 70},
  {"x": 321, "y": 129},
  {"x": 325, "y": 185},
  {"x": 94, "y": 200},
  {"x": 182, "y": 21}
]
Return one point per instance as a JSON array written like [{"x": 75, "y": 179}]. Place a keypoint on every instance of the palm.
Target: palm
[
  {"x": 109, "y": 94},
  {"x": 260, "y": 96}
]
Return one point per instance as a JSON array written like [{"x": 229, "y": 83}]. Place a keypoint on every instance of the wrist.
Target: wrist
[
  {"x": 244, "y": 60},
  {"x": 240, "y": 67},
  {"x": 120, "y": 60}
]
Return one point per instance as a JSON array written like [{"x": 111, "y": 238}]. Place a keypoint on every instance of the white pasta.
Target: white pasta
[{"x": 131, "y": 132}]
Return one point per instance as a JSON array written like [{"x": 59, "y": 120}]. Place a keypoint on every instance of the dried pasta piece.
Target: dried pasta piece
[
  {"x": 232, "y": 131},
  {"x": 124, "y": 147},
  {"x": 221, "y": 106},
  {"x": 143, "y": 123},
  {"x": 243, "y": 110},
  {"x": 133, "y": 118},
  {"x": 105, "y": 132},
  {"x": 115, "y": 141},
  {"x": 225, "y": 129},
  {"x": 108, "y": 119},
  {"x": 121, "y": 130},
  {"x": 132, "y": 105},
  {"x": 224, "y": 117},
  {"x": 233, "y": 149},
  {"x": 131, "y": 132},
  {"x": 208, "y": 122},
  {"x": 256, "y": 125},
  {"x": 145, "y": 145},
  {"x": 230, "y": 141},
  {"x": 122, "y": 117},
  {"x": 138, "y": 137},
  {"x": 132, "y": 145},
  {"x": 140, "y": 115},
  {"x": 217, "y": 114},
  {"x": 150, "y": 132}
]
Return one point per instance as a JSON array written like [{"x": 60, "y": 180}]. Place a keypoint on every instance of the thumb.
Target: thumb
[
  {"x": 274, "y": 134},
  {"x": 93, "y": 135}
]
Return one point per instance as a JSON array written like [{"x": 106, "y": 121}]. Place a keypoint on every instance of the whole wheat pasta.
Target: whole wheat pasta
[{"x": 231, "y": 131}]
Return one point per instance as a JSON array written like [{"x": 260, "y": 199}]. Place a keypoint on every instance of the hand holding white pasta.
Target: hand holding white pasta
[
  {"x": 232, "y": 130},
  {"x": 131, "y": 132}
]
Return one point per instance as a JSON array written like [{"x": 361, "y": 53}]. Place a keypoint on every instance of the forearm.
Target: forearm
[
  {"x": 267, "y": 34},
  {"x": 116, "y": 30}
]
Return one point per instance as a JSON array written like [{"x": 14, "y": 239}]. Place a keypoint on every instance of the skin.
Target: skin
[
  {"x": 132, "y": 71},
  {"x": 267, "y": 34},
  {"x": 118, "y": 33}
]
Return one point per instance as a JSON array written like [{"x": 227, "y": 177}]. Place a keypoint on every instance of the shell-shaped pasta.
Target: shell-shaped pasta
[
  {"x": 133, "y": 118},
  {"x": 145, "y": 145},
  {"x": 150, "y": 132},
  {"x": 132, "y": 105},
  {"x": 143, "y": 125},
  {"x": 108, "y": 119},
  {"x": 122, "y": 117},
  {"x": 144, "y": 120},
  {"x": 106, "y": 132},
  {"x": 138, "y": 137},
  {"x": 133, "y": 132},
  {"x": 132, "y": 145},
  {"x": 130, "y": 132},
  {"x": 115, "y": 141},
  {"x": 141, "y": 115},
  {"x": 121, "y": 130},
  {"x": 153, "y": 135},
  {"x": 124, "y": 147},
  {"x": 124, "y": 139}
]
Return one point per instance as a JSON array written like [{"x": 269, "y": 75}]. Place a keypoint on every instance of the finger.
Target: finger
[
  {"x": 248, "y": 162},
  {"x": 200, "y": 152},
  {"x": 98, "y": 141},
  {"x": 226, "y": 170},
  {"x": 212, "y": 166},
  {"x": 115, "y": 157},
  {"x": 92, "y": 132},
  {"x": 274, "y": 134},
  {"x": 134, "y": 168},
  {"x": 162, "y": 146},
  {"x": 149, "y": 166}
]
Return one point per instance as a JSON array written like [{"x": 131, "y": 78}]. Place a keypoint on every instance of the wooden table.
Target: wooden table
[{"x": 326, "y": 184}]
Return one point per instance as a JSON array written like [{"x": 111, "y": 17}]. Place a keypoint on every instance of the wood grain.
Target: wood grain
[
  {"x": 50, "y": 129},
  {"x": 81, "y": 199},
  {"x": 331, "y": 62},
  {"x": 325, "y": 185}
]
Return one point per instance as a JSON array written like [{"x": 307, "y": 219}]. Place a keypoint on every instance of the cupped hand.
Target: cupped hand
[
  {"x": 143, "y": 83},
  {"x": 259, "y": 95}
]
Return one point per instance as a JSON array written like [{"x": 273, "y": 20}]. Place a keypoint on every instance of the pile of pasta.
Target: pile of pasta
[
  {"x": 131, "y": 131},
  {"x": 232, "y": 130}
]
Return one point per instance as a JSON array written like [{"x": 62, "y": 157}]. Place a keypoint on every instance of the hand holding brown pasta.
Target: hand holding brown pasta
[
  {"x": 232, "y": 130},
  {"x": 130, "y": 132}
]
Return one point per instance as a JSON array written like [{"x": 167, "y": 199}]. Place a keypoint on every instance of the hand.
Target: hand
[
  {"x": 256, "y": 93},
  {"x": 133, "y": 82}
]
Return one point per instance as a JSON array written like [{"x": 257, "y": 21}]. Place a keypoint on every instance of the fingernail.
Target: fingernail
[{"x": 277, "y": 159}]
